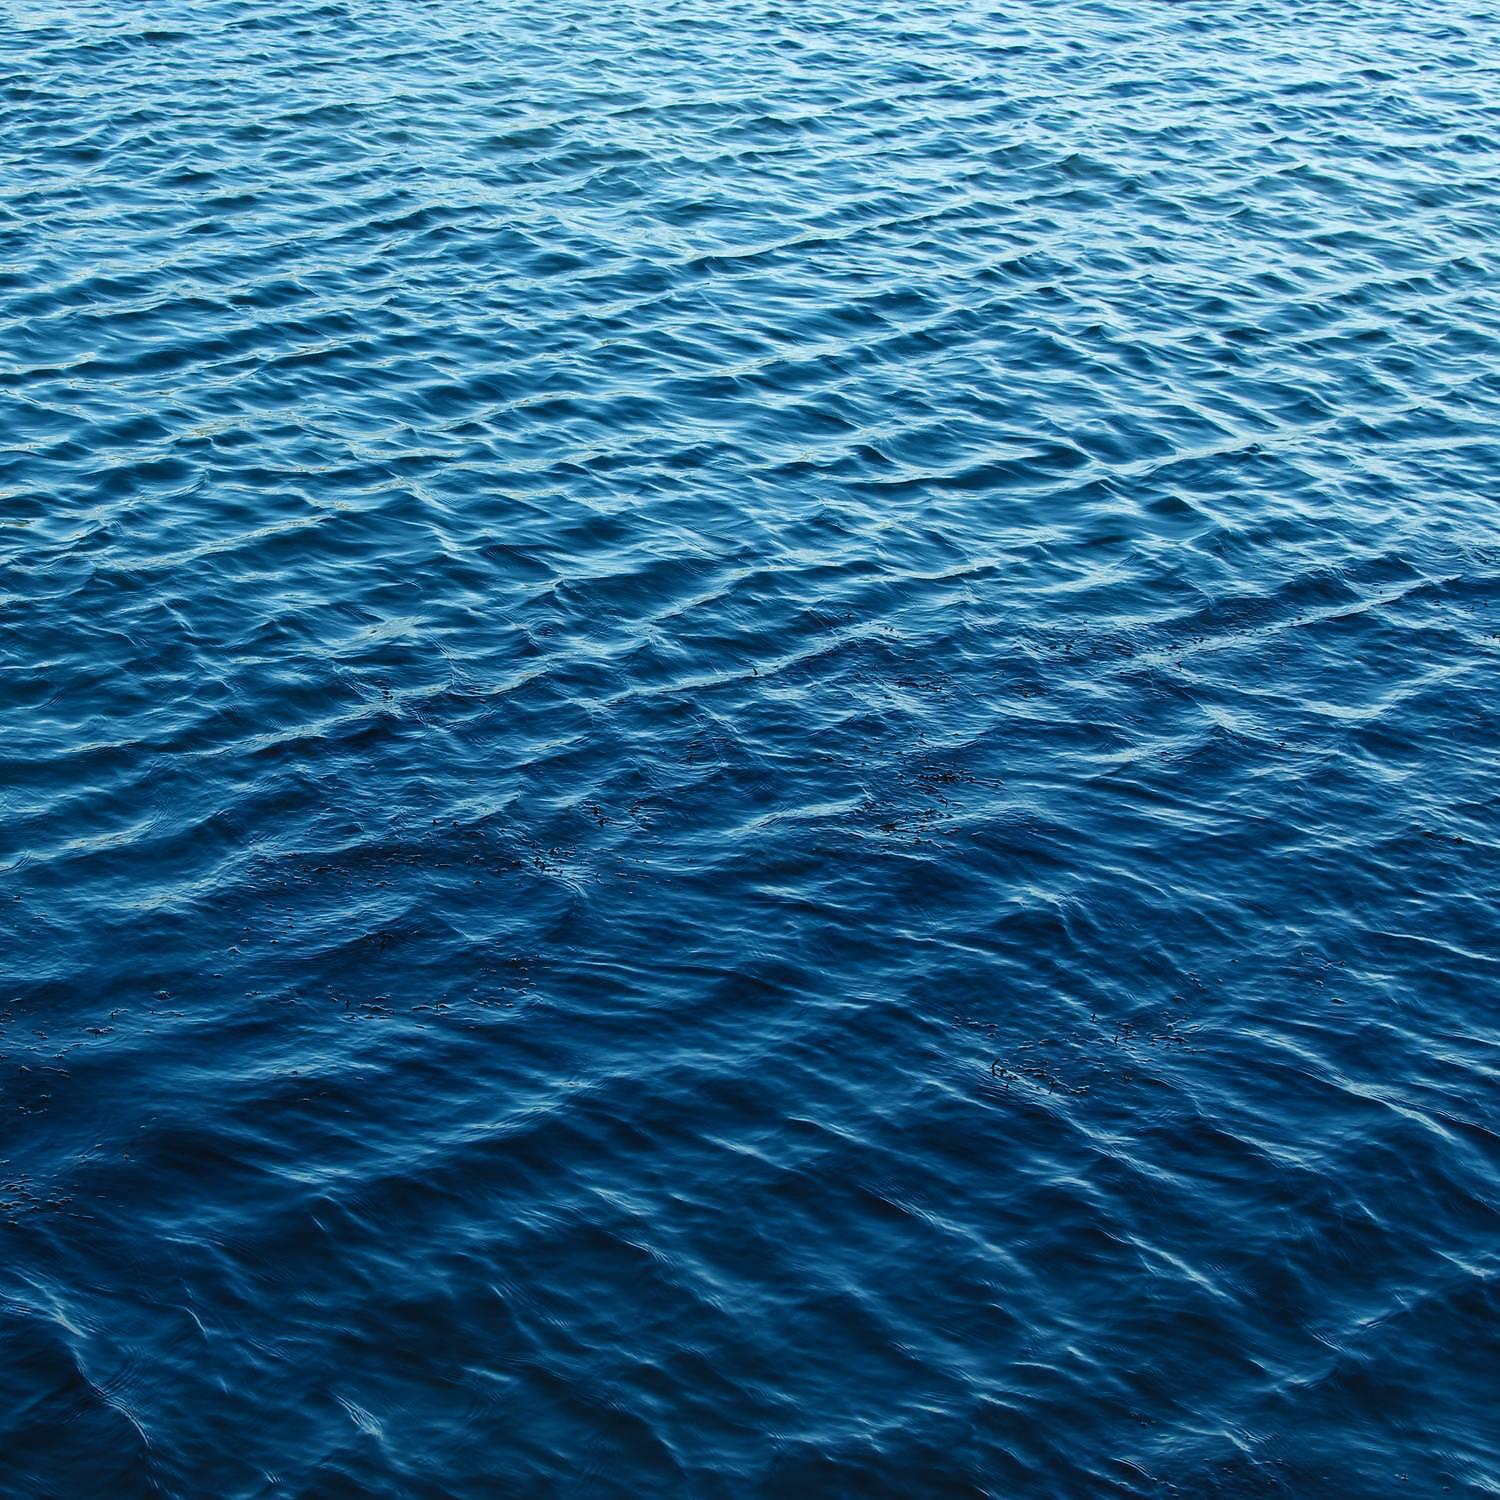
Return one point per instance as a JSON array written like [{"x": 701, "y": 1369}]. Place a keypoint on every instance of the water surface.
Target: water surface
[{"x": 749, "y": 749}]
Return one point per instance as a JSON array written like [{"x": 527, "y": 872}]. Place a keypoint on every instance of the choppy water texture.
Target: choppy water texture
[{"x": 749, "y": 750}]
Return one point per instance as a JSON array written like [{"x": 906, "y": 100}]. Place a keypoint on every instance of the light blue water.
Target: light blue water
[{"x": 749, "y": 750}]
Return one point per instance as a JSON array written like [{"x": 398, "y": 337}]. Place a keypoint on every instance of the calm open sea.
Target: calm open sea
[{"x": 749, "y": 749}]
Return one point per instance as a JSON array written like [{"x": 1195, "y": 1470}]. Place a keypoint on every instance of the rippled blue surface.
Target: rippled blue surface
[{"x": 749, "y": 749}]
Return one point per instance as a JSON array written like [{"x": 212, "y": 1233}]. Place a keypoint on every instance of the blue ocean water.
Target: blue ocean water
[{"x": 749, "y": 749}]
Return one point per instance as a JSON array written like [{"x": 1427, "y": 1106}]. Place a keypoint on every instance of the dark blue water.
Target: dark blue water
[{"x": 749, "y": 749}]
